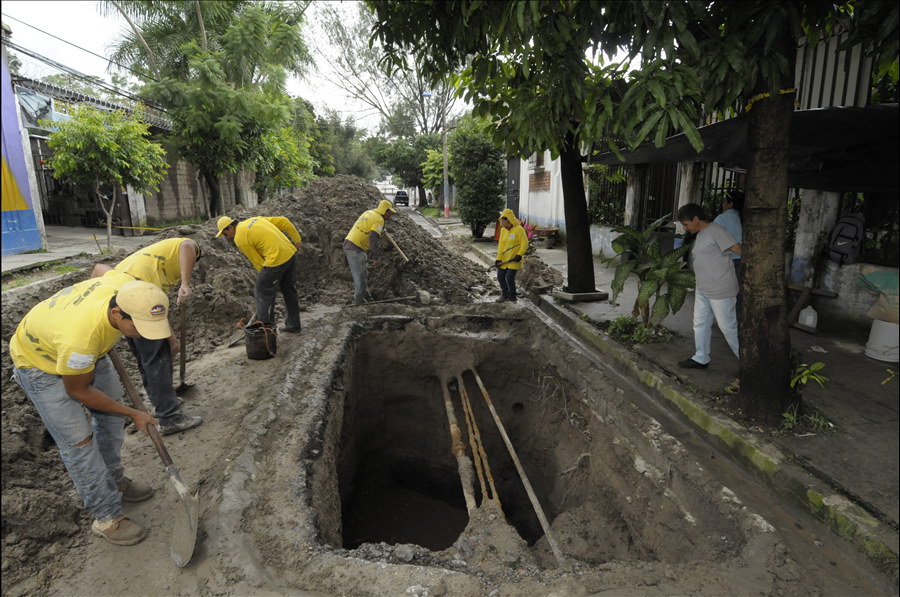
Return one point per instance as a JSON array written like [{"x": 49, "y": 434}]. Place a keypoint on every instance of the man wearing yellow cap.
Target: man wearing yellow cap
[
  {"x": 510, "y": 251},
  {"x": 363, "y": 237},
  {"x": 164, "y": 264},
  {"x": 270, "y": 244},
  {"x": 59, "y": 356}
]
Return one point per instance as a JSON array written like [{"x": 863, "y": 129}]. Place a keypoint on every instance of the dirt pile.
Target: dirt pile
[{"x": 34, "y": 481}]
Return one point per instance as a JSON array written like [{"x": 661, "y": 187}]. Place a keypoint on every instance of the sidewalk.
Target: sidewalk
[
  {"x": 65, "y": 241},
  {"x": 850, "y": 479}
]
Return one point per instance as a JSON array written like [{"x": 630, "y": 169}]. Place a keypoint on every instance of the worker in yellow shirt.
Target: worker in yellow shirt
[
  {"x": 59, "y": 357},
  {"x": 164, "y": 264},
  {"x": 510, "y": 252},
  {"x": 364, "y": 237},
  {"x": 271, "y": 245}
]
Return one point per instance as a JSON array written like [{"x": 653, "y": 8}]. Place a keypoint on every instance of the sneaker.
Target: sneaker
[
  {"x": 291, "y": 329},
  {"x": 134, "y": 491},
  {"x": 692, "y": 364},
  {"x": 501, "y": 299},
  {"x": 180, "y": 422},
  {"x": 119, "y": 531}
]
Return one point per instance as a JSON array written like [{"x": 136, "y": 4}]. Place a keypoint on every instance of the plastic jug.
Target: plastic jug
[{"x": 808, "y": 317}]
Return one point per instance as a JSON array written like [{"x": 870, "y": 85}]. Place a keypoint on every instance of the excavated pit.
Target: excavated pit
[{"x": 607, "y": 478}]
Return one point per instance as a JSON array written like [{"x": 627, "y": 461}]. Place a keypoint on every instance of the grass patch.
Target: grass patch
[
  {"x": 431, "y": 212},
  {"x": 185, "y": 222},
  {"x": 43, "y": 271}
]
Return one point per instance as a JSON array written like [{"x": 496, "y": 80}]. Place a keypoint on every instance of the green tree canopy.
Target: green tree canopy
[
  {"x": 97, "y": 148},
  {"x": 480, "y": 169},
  {"x": 222, "y": 68}
]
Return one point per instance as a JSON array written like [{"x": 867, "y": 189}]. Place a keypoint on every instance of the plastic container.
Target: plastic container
[
  {"x": 884, "y": 341},
  {"x": 808, "y": 317},
  {"x": 261, "y": 341}
]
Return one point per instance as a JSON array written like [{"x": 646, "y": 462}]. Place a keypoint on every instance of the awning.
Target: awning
[{"x": 831, "y": 149}]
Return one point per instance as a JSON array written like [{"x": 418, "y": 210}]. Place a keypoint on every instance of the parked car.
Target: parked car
[{"x": 401, "y": 198}]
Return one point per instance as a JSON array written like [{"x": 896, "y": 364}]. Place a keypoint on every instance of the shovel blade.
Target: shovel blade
[{"x": 184, "y": 534}]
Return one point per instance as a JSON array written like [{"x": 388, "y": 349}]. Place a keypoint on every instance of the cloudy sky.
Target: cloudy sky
[{"x": 80, "y": 23}]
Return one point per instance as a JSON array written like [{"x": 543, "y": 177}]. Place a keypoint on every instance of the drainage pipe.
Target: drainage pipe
[
  {"x": 463, "y": 463},
  {"x": 528, "y": 489},
  {"x": 482, "y": 467}
]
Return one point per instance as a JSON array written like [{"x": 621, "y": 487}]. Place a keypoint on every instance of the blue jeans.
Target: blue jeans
[
  {"x": 723, "y": 312},
  {"x": 507, "y": 279},
  {"x": 95, "y": 467},
  {"x": 358, "y": 261}
]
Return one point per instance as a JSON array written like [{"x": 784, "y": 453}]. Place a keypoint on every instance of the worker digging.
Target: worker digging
[{"x": 165, "y": 264}]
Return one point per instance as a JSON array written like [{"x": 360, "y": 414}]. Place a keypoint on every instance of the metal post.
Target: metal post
[{"x": 446, "y": 175}]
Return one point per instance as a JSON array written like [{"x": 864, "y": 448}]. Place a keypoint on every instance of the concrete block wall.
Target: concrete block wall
[{"x": 183, "y": 195}]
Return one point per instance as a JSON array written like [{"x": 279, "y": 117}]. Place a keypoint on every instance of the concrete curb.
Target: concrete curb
[{"x": 764, "y": 461}]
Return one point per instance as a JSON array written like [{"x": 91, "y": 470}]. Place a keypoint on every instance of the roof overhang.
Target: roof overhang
[{"x": 831, "y": 149}]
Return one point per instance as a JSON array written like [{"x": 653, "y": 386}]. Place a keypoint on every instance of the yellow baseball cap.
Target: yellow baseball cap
[
  {"x": 386, "y": 205},
  {"x": 223, "y": 223},
  {"x": 148, "y": 307}
]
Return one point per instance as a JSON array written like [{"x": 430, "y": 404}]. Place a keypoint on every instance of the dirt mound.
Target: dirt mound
[
  {"x": 34, "y": 481},
  {"x": 323, "y": 212}
]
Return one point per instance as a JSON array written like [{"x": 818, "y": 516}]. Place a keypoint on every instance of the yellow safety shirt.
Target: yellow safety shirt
[
  {"x": 369, "y": 221},
  {"x": 265, "y": 242},
  {"x": 67, "y": 333},
  {"x": 159, "y": 264}
]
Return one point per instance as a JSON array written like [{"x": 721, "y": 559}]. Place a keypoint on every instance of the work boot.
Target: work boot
[
  {"x": 691, "y": 364},
  {"x": 180, "y": 422},
  {"x": 134, "y": 491},
  {"x": 501, "y": 299},
  {"x": 119, "y": 531},
  {"x": 291, "y": 329}
]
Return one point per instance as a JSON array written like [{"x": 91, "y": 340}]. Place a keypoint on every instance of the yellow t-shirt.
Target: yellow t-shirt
[
  {"x": 366, "y": 223},
  {"x": 266, "y": 241},
  {"x": 158, "y": 263},
  {"x": 67, "y": 333}
]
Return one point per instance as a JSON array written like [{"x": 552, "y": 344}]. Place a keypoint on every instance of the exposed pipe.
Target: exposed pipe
[
  {"x": 528, "y": 489},
  {"x": 481, "y": 461},
  {"x": 464, "y": 464}
]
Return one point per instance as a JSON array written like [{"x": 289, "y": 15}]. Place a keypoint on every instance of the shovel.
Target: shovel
[
  {"x": 397, "y": 247},
  {"x": 183, "y": 320},
  {"x": 184, "y": 535},
  {"x": 498, "y": 265}
]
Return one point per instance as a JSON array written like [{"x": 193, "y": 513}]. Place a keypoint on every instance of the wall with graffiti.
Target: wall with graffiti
[{"x": 19, "y": 226}]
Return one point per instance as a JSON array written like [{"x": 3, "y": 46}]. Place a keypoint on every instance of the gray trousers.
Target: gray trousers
[
  {"x": 154, "y": 359},
  {"x": 358, "y": 261}
]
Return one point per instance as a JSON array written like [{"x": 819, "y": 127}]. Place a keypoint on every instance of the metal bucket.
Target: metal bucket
[{"x": 261, "y": 341}]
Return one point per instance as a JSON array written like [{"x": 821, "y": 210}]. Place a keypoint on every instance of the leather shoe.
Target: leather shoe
[{"x": 692, "y": 364}]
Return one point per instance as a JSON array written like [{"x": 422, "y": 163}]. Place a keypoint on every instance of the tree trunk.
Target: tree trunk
[
  {"x": 423, "y": 200},
  {"x": 765, "y": 341},
  {"x": 215, "y": 195},
  {"x": 578, "y": 233}
]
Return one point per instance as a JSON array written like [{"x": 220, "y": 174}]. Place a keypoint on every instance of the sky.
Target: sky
[{"x": 80, "y": 23}]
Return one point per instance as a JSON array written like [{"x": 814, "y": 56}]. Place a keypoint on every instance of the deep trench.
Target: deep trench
[{"x": 397, "y": 480}]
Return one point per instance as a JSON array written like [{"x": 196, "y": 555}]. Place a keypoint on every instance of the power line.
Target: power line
[
  {"x": 129, "y": 69},
  {"x": 77, "y": 74}
]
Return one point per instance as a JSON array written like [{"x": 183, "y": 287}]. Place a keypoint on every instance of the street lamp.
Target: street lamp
[{"x": 446, "y": 170}]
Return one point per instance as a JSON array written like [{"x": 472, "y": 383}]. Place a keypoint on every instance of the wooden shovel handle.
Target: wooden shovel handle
[
  {"x": 182, "y": 316},
  {"x": 139, "y": 404}
]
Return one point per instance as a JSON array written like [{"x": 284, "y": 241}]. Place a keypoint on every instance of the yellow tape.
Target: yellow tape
[
  {"x": 137, "y": 228},
  {"x": 761, "y": 96}
]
